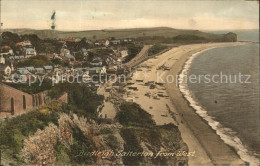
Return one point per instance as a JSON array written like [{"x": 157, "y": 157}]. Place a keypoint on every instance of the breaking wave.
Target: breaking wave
[{"x": 226, "y": 134}]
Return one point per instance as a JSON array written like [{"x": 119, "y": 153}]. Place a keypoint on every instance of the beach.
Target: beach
[{"x": 166, "y": 104}]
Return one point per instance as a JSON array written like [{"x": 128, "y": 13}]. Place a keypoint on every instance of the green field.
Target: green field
[{"x": 118, "y": 33}]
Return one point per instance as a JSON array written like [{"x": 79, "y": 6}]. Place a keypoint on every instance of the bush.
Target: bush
[
  {"x": 112, "y": 142},
  {"x": 105, "y": 131},
  {"x": 81, "y": 147},
  {"x": 155, "y": 49},
  {"x": 14, "y": 131},
  {"x": 132, "y": 144},
  {"x": 82, "y": 100},
  {"x": 132, "y": 52},
  {"x": 34, "y": 87},
  {"x": 132, "y": 114},
  {"x": 36, "y": 61}
]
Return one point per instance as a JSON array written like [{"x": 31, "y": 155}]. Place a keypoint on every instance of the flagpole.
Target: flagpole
[{"x": 0, "y": 21}]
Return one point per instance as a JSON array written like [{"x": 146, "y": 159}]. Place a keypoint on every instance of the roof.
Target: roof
[
  {"x": 6, "y": 47},
  {"x": 69, "y": 56},
  {"x": 93, "y": 68},
  {"x": 84, "y": 50},
  {"x": 79, "y": 69},
  {"x": 23, "y": 71},
  {"x": 30, "y": 68},
  {"x": 39, "y": 69},
  {"x": 16, "y": 57},
  {"x": 29, "y": 49},
  {"x": 48, "y": 67},
  {"x": 115, "y": 41},
  {"x": 19, "y": 44}
]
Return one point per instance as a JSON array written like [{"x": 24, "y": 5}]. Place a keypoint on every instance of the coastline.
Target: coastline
[
  {"x": 197, "y": 134},
  {"x": 226, "y": 134},
  {"x": 219, "y": 152}
]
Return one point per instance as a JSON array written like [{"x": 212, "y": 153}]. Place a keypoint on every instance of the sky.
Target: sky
[{"x": 120, "y": 14}]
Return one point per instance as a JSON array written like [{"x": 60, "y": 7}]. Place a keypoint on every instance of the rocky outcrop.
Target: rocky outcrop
[{"x": 230, "y": 37}]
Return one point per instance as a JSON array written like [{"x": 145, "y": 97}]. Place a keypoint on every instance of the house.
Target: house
[
  {"x": 96, "y": 63},
  {"x": 6, "y": 50},
  {"x": 127, "y": 40},
  {"x": 64, "y": 51},
  {"x": 111, "y": 71},
  {"x": 70, "y": 57},
  {"x": 119, "y": 63},
  {"x": 115, "y": 42},
  {"x": 2, "y": 60},
  {"x": 16, "y": 57},
  {"x": 48, "y": 68},
  {"x": 30, "y": 69},
  {"x": 103, "y": 42},
  {"x": 26, "y": 43},
  {"x": 84, "y": 51},
  {"x": 89, "y": 42},
  {"x": 82, "y": 71},
  {"x": 123, "y": 52},
  {"x": 70, "y": 40},
  {"x": 76, "y": 63},
  {"x": 39, "y": 70},
  {"x": 51, "y": 56},
  {"x": 23, "y": 71},
  {"x": 5, "y": 70},
  {"x": 29, "y": 52},
  {"x": 95, "y": 70}
]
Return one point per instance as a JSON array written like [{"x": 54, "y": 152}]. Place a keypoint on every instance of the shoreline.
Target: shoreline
[
  {"x": 226, "y": 134},
  {"x": 197, "y": 123},
  {"x": 197, "y": 134}
]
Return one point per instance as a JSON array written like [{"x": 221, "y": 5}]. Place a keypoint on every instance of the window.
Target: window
[
  {"x": 24, "y": 102},
  {"x": 40, "y": 100},
  {"x": 12, "y": 106},
  {"x": 33, "y": 100},
  {"x": 37, "y": 101}
]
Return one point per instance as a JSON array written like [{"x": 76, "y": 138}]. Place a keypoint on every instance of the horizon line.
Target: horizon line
[{"x": 108, "y": 29}]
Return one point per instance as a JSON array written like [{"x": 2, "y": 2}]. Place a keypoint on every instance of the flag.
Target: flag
[{"x": 53, "y": 15}]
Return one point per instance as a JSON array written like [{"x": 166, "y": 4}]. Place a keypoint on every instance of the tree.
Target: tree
[
  {"x": 79, "y": 56},
  {"x": 10, "y": 37},
  {"x": 90, "y": 56}
]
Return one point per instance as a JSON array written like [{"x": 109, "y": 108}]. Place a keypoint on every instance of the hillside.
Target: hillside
[{"x": 118, "y": 33}]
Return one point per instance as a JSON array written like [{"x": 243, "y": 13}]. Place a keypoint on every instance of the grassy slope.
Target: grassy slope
[{"x": 117, "y": 33}]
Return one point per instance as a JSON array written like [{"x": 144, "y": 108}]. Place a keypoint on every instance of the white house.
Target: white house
[
  {"x": 10, "y": 52},
  {"x": 64, "y": 51},
  {"x": 27, "y": 43},
  {"x": 29, "y": 52},
  {"x": 124, "y": 53},
  {"x": 2, "y": 60}
]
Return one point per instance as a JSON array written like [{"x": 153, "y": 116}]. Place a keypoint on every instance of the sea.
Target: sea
[{"x": 227, "y": 93}]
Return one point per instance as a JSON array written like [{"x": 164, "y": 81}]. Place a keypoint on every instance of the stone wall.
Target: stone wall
[{"x": 15, "y": 102}]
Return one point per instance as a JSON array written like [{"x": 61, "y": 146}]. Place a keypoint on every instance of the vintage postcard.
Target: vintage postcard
[{"x": 122, "y": 82}]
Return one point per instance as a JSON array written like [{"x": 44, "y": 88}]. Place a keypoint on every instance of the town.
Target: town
[{"x": 65, "y": 57}]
